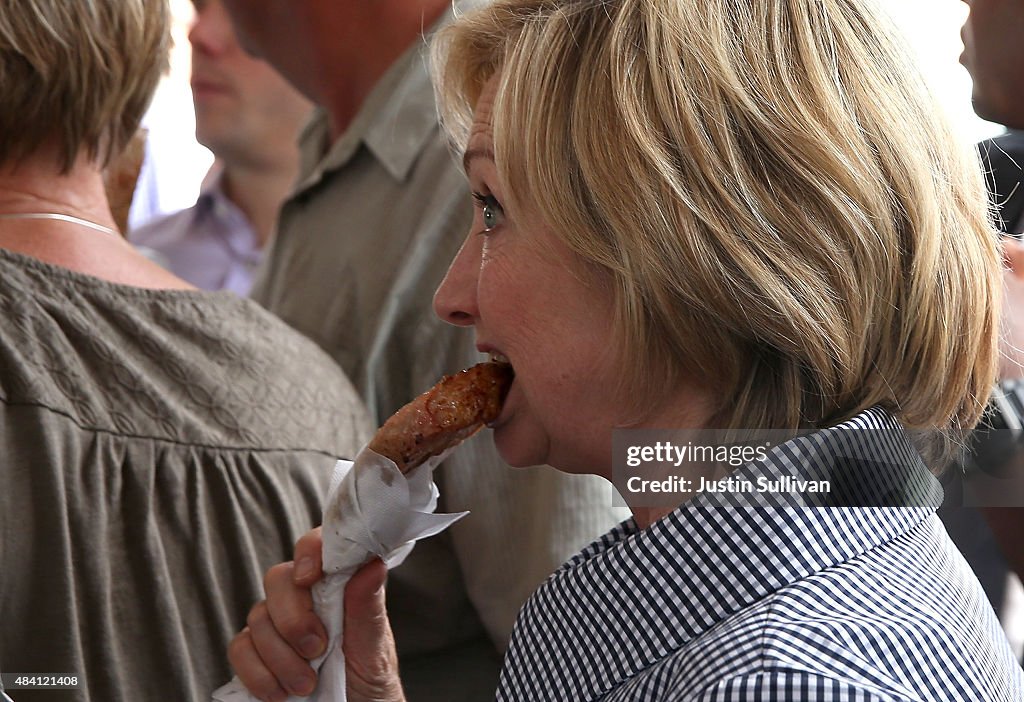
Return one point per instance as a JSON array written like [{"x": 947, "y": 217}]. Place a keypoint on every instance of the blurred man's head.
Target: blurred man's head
[
  {"x": 332, "y": 51},
  {"x": 284, "y": 33},
  {"x": 994, "y": 55},
  {"x": 245, "y": 111}
]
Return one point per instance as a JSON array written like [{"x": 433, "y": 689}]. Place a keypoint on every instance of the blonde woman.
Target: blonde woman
[{"x": 731, "y": 215}]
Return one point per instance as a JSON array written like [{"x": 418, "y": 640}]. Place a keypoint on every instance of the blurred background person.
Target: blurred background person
[
  {"x": 364, "y": 240},
  {"x": 249, "y": 117},
  {"x": 161, "y": 445},
  {"x": 174, "y": 163},
  {"x": 993, "y": 39},
  {"x": 994, "y": 56}
]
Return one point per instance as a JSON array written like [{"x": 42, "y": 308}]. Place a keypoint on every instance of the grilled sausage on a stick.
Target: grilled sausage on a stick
[{"x": 444, "y": 416}]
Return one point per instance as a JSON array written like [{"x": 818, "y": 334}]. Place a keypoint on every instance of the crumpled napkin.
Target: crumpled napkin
[{"x": 372, "y": 510}]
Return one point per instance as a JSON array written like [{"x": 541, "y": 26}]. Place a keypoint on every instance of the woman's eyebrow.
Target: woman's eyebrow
[{"x": 476, "y": 153}]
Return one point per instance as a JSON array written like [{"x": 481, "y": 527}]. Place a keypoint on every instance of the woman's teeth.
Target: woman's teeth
[{"x": 498, "y": 357}]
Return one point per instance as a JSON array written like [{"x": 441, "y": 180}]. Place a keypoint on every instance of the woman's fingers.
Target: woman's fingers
[
  {"x": 290, "y": 610},
  {"x": 290, "y": 669},
  {"x": 271, "y": 655},
  {"x": 309, "y": 558},
  {"x": 251, "y": 670}
]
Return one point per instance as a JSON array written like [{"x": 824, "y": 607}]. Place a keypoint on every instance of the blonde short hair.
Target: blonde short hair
[
  {"x": 781, "y": 211},
  {"x": 78, "y": 73}
]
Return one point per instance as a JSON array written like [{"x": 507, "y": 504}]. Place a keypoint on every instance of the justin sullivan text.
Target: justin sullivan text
[{"x": 785, "y": 483}]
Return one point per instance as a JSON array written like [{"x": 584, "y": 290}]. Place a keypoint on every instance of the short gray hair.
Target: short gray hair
[{"x": 79, "y": 74}]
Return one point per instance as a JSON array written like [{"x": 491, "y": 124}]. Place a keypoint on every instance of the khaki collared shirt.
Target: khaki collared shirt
[{"x": 362, "y": 244}]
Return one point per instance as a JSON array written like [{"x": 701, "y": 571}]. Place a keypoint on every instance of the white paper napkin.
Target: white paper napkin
[{"x": 372, "y": 510}]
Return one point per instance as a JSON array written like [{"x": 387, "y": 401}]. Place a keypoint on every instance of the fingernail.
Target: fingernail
[
  {"x": 302, "y": 686},
  {"x": 311, "y": 646},
  {"x": 304, "y": 568}
]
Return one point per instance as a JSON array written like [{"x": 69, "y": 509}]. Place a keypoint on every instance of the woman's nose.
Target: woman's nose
[{"x": 455, "y": 300}]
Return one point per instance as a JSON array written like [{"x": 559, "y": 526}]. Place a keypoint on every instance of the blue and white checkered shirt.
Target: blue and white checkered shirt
[{"x": 722, "y": 600}]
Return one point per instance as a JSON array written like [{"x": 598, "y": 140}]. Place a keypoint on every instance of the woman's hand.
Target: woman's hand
[{"x": 271, "y": 654}]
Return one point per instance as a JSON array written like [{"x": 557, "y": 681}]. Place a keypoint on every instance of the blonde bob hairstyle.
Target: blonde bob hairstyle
[
  {"x": 779, "y": 208},
  {"x": 78, "y": 74}
]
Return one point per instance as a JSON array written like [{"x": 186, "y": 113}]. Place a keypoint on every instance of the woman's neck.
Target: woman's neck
[
  {"x": 689, "y": 407},
  {"x": 37, "y": 185}
]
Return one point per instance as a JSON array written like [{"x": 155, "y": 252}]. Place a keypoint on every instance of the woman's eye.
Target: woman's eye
[{"x": 490, "y": 210}]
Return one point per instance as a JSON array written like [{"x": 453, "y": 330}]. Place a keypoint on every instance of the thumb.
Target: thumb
[{"x": 371, "y": 663}]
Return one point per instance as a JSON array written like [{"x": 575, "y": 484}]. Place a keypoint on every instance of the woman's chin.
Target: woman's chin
[{"x": 515, "y": 449}]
